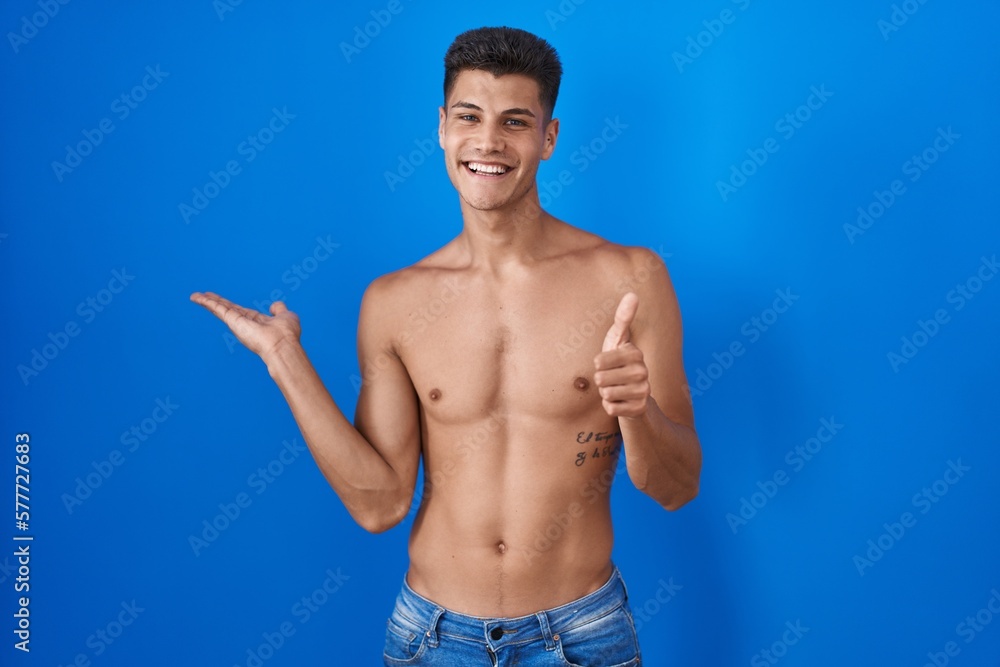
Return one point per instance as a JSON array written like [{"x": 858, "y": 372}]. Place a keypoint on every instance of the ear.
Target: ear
[
  {"x": 442, "y": 117},
  {"x": 551, "y": 134}
]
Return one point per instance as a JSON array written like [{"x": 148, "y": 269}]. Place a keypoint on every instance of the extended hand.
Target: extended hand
[
  {"x": 622, "y": 377},
  {"x": 260, "y": 333}
]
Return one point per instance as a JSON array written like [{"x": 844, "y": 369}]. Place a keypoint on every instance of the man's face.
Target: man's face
[{"x": 494, "y": 134}]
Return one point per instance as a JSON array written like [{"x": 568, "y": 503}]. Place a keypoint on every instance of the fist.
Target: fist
[{"x": 622, "y": 377}]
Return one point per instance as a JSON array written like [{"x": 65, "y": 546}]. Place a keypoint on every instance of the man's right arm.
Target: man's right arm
[{"x": 372, "y": 466}]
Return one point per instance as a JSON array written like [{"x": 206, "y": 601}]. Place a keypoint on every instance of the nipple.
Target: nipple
[
  {"x": 581, "y": 383},
  {"x": 435, "y": 394}
]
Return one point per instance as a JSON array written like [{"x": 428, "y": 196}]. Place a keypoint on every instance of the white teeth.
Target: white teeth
[{"x": 487, "y": 168}]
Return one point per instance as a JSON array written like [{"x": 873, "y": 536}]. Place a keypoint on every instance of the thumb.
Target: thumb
[
  {"x": 278, "y": 307},
  {"x": 619, "y": 333}
]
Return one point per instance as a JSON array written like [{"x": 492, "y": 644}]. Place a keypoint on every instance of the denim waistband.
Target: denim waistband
[{"x": 434, "y": 620}]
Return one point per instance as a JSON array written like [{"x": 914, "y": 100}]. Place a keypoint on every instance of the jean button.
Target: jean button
[{"x": 496, "y": 633}]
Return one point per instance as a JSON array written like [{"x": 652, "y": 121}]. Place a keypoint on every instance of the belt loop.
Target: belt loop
[
  {"x": 432, "y": 635},
  {"x": 543, "y": 621}
]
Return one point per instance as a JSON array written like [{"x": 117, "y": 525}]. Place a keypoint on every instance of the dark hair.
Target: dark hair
[{"x": 502, "y": 51}]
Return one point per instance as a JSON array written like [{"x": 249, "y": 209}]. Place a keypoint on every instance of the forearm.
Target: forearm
[
  {"x": 370, "y": 489},
  {"x": 663, "y": 457}
]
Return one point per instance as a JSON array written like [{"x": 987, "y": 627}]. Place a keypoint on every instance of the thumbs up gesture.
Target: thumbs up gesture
[{"x": 622, "y": 377}]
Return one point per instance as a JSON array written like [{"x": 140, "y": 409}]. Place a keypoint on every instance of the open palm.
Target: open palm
[{"x": 260, "y": 333}]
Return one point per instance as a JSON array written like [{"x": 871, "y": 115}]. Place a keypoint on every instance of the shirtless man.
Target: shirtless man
[{"x": 488, "y": 359}]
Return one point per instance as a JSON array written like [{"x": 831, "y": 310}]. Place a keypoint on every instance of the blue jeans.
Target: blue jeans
[{"x": 594, "y": 631}]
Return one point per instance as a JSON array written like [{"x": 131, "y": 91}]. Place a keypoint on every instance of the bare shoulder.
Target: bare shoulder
[
  {"x": 638, "y": 269},
  {"x": 630, "y": 267},
  {"x": 398, "y": 287},
  {"x": 389, "y": 299}
]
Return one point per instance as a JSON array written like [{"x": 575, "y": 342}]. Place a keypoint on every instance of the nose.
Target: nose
[{"x": 490, "y": 139}]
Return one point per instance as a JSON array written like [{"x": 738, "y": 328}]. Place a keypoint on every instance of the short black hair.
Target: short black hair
[{"x": 502, "y": 51}]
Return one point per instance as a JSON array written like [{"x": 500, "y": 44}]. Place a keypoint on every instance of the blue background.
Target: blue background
[{"x": 684, "y": 125}]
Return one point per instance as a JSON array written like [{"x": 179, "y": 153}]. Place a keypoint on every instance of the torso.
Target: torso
[{"x": 519, "y": 454}]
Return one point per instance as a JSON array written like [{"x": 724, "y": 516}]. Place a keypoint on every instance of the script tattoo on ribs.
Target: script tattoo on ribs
[{"x": 613, "y": 446}]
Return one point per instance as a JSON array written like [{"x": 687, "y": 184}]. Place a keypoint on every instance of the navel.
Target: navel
[
  {"x": 581, "y": 383},
  {"x": 435, "y": 394},
  {"x": 501, "y": 547}
]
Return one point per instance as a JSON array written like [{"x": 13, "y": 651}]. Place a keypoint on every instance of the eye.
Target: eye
[
  {"x": 467, "y": 116},
  {"x": 517, "y": 122}
]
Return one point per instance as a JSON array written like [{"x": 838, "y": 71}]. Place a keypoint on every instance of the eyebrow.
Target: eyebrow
[{"x": 516, "y": 111}]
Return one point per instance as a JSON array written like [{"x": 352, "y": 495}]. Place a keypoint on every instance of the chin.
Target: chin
[
  {"x": 485, "y": 204},
  {"x": 493, "y": 201},
  {"x": 483, "y": 201}
]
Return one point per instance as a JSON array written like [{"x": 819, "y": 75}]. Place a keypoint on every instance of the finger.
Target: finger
[
  {"x": 214, "y": 301},
  {"x": 201, "y": 298},
  {"x": 634, "y": 408},
  {"x": 618, "y": 334},
  {"x": 628, "y": 392},
  {"x": 216, "y": 305},
  {"x": 226, "y": 310},
  {"x": 633, "y": 374},
  {"x": 207, "y": 298},
  {"x": 621, "y": 356}
]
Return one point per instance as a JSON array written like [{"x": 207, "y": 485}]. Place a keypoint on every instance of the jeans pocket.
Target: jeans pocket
[
  {"x": 403, "y": 645},
  {"x": 609, "y": 641}
]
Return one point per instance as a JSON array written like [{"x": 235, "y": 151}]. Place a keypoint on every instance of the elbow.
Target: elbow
[
  {"x": 674, "y": 498},
  {"x": 686, "y": 488},
  {"x": 377, "y": 521},
  {"x": 680, "y": 499},
  {"x": 670, "y": 494},
  {"x": 376, "y": 526}
]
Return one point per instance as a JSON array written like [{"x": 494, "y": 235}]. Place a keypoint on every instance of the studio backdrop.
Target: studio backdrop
[{"x": 820, "y": 179}]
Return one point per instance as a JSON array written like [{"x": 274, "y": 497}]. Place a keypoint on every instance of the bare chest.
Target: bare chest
[{"x": 527, "y": 352}]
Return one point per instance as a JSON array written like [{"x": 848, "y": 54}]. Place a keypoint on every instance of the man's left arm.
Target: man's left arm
[{"x": 641, "y": 380}]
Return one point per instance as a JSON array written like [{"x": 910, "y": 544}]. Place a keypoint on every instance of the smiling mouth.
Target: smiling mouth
[{"x": 490, "y": 169}]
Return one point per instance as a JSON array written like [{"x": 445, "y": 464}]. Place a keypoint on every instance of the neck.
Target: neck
[{"x": 512, "y": 235}]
